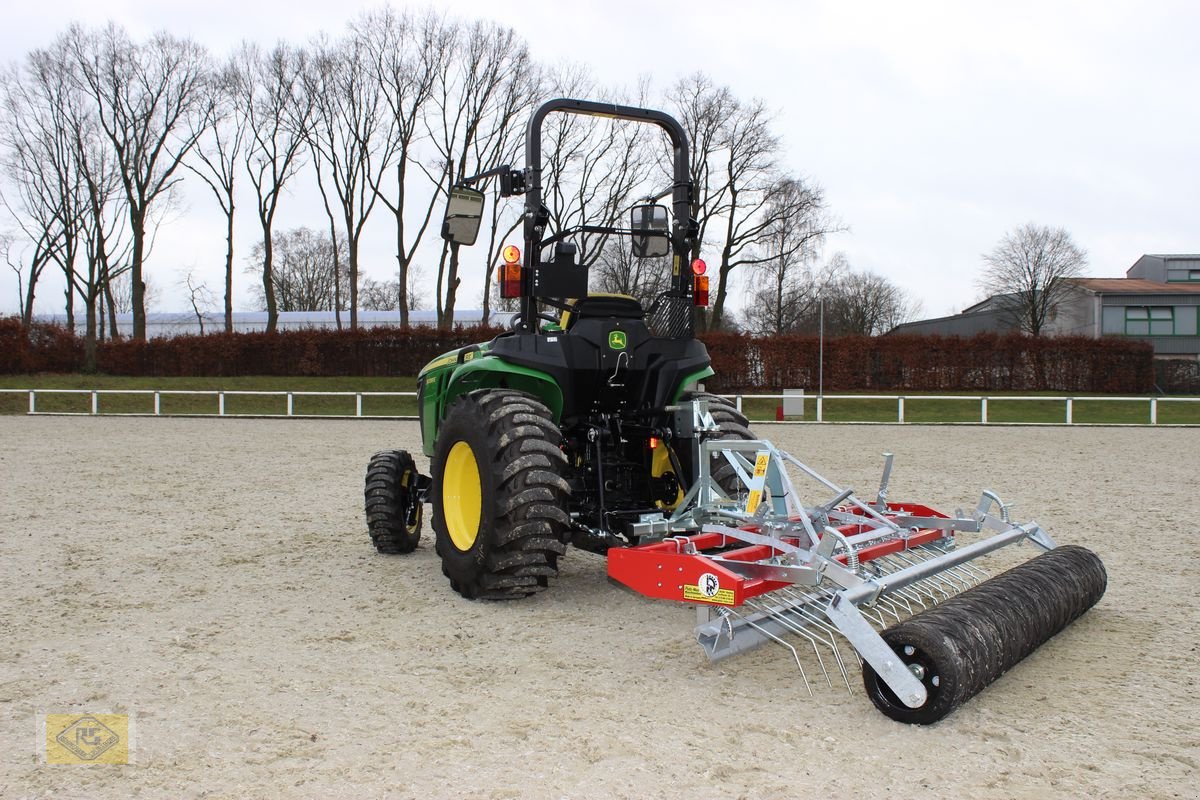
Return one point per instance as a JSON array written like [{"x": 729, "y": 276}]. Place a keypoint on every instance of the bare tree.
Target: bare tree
[
  {"x": 785, "y": 284},
  {"x": 278, "y": 110},
  {"x": 106, "y": 246},
  {"x": 479, "y": 94},
  {"x": 218, "y": 153},
  {"x": 386, "y": 295},
  {"x": 592, "y": 166},
  {"x": 1028, "y": 272},
  {"x": 307, "y": 269},
  {"x": 407, "y": 53},
  {"x": 37, "y": 156},
  {"x": 379, "y": 295},
  {"x": 619, "y": 272},
  {"x": 734, "y": 165},
  {"x": 200, "y": 297},
  {"x": 149, "y": 99},
  {"x": 866, "y": 304},
  {"x": 704, "y": 110},
  {"x": 352, "y": 135}
]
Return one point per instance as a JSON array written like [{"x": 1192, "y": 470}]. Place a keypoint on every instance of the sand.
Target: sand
[{"x": 213, "y": 578}]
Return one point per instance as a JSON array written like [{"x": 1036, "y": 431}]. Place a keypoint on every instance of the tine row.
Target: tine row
[{"x": 801, "y": 611}]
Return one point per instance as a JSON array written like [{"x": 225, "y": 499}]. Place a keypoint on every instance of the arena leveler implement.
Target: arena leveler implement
[{"x": 586, "y": 425}]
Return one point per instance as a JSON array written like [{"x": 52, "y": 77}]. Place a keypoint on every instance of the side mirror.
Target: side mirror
[
  {"x": 464, "y": 212},
  {"x": 650, "y": 225}
]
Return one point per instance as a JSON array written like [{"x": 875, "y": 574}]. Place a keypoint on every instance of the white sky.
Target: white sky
[{"x": 933, "y": 127}]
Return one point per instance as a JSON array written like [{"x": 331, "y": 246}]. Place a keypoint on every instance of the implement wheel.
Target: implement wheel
[
  {"x": 499, "y": 495},
  {"x": 393, "y": 511}
]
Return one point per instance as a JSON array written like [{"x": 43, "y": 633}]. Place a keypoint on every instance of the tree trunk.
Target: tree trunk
[
  {"x": 337, "y": 272},
  {"x": 403, "y": 293},
  {"x": 229, "y": 269},
  {"x": 114, "y": 332},
  {"x": 451, "y": 288},
  {"x": 352, "y": 243},
  {"x": 137, "y": 220},
  {"x": 70, "y": 293},
  {"x": 89, "y": 340},
  {"x": 268, "y": 279},
  {"x": 27, "y": 309}
]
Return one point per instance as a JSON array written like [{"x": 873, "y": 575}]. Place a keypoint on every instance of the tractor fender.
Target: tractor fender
[
  {"x": 690, "y": 381},
  {"x": 491, "y": 373}
]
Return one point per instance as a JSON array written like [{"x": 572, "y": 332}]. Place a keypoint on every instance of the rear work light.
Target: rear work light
[
  {"x": 700, "y": 290},
  {"x": 510, "y": 273}
]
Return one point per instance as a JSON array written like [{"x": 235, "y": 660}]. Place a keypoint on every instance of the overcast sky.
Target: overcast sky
[{"x": 933, "y": 127}]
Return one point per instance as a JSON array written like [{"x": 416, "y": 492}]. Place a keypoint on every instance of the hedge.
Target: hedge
[{"x": 986, "y": 362}]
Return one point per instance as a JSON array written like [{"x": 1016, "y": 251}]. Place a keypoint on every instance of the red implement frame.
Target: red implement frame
[{"x": 677, "y": 568}]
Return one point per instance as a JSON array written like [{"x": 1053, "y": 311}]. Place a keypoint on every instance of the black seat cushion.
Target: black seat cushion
[{"x": 602, "y": 306}]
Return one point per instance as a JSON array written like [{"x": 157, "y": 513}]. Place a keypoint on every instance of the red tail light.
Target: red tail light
[
  {"x": 700, "y": 290},
  {"x": 510, "y": 273}
]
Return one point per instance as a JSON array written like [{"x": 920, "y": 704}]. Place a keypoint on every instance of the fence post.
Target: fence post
[
  {"x": 290, "y": 404},
  {"x": 1153, "y": 410},
  {"x": 820, "y": 408},
  {"x": 32, "y": 401},
  {"x": 220, "y": 404},
  {"x": 900, "y": 409},
  {"x": 1070, "y": 410},
  {"x": 95, "y": 403},
  {"x": 157, "y": 404},
  {"x": 738, "y": 400},
  {"x": 983, "y": 410},
  {"x": 358, "y": 404}
]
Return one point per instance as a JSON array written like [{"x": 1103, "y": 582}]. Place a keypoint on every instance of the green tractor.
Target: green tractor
[{"x": 575, "y": 426}]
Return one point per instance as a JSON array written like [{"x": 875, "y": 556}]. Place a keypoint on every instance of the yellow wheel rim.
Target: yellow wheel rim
[
  {"x": 660, "y": 464},
  {"x": 462, "y": 496}
]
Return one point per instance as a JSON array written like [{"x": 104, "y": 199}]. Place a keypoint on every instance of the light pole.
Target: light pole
[{"x": 820, "y": 351}]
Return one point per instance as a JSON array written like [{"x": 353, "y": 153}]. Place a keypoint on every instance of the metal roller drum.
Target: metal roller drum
[{"x": 960, "y": 646}]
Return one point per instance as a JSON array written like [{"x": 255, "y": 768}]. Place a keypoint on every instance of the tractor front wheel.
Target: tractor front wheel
[
  {"x": 499, "y": 495},
  {"x": 393, "y": 507}
]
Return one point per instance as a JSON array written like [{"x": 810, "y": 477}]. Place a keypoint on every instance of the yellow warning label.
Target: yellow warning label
[
  {"x": 760, "y": 464},
  {"x": 756, "y": 491},
  {"x": 87, "y": 739},
  {"x": 722, "y": 596}
]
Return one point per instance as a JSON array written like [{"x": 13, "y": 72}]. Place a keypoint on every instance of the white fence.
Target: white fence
[
  {"x": 219, "y": 396},
  {"x": 1069, "y": 403}
]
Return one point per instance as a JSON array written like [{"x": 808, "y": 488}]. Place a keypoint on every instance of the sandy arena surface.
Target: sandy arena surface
[{"x": 213, "y": 578}]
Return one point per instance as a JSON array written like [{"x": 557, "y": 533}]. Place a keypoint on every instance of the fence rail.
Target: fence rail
[
  {"x": 218, "y": 394},
  {"x": 1069, "y": 403},
  {"x": 818, "y": 403}
]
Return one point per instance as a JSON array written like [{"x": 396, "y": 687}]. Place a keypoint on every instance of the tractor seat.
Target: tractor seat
[{"x": 602, "y": 306}]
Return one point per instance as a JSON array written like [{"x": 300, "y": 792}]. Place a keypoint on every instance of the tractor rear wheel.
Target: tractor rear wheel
[
  {"x": 499, "y": 495},
  {"x": 393, "y": 510},
  {"x": 734, "y": 425}
]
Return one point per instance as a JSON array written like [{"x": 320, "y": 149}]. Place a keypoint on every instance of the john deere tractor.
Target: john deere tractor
[{"x": 569, "y": 428}]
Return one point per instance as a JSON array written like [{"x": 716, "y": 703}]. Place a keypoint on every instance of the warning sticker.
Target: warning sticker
[
  {"x": 720, "y": 596},
  {"x": 758, "y": 481}
]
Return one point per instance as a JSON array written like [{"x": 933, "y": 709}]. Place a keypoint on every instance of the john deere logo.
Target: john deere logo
[{"x": 616, "y": 340}]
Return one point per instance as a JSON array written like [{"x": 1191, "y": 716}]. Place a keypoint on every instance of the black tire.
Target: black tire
[
  {"x": 393, "y": 512},
  {"x": 505, "y": 446},
  {"x": 734, "y": 425},
  {"x": 945, "y": 666}
]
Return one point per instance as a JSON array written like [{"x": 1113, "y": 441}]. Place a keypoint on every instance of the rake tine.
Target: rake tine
[
  {"x": 795, "y": 628},
  {"x": 777, "y": 640}
]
